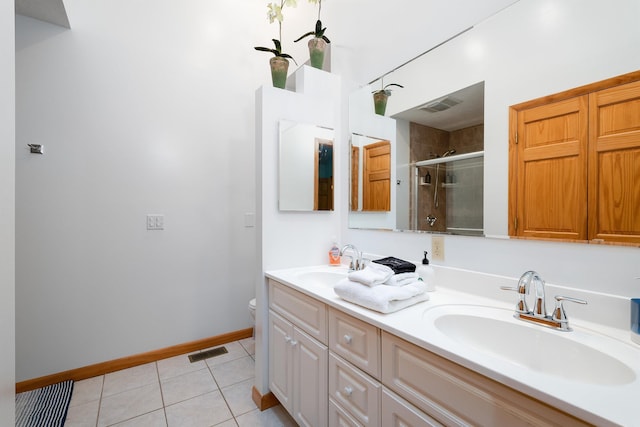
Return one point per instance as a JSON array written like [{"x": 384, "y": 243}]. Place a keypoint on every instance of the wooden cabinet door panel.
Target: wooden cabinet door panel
[
  {"x": 614, "y": 164},
  {"x": 376, "y": 193},
  {"x": 552, "y": 170}
]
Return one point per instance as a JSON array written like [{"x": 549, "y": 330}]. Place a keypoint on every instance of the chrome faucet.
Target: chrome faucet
[
  {"x": 356, "y": 259},
  {"x": 557, "y": 319}
]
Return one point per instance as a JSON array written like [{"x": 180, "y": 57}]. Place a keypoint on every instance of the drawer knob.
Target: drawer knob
[
  {"x": 348, "y": 339},
  {"x": 348, "y": 391}
]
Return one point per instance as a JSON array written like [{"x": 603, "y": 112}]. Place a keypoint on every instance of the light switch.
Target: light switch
[
  {"x": 249, "y": 219},
  {"x": 155, "y": 222}
]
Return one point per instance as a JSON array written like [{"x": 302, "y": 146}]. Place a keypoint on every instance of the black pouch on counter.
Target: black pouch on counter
[{"x": 397, "y": 265}]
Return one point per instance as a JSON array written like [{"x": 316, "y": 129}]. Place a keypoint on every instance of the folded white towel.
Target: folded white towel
[
  {"x": 401, "y": 279},
  {"x": 372, "y": 275},
  {"x": 382, "y": 298}
]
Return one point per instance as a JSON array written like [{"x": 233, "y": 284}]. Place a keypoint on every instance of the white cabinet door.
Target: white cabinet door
[
  {"x": 310, "y": 380},
  {"x": 280, "y": 360}
]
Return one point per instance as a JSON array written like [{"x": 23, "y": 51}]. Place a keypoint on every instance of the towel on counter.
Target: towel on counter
[
  {"x": 382, "y": 298},
  {"x": 402, "y": 279},
  {"x": 371, "y": 275},
  {"x": 397, "y": 265}
]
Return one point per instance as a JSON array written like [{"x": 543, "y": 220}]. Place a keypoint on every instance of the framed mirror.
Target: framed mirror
[{"x": 305, "y": 169}]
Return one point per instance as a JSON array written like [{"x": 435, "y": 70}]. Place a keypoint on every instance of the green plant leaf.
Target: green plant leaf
[
  {"x": 310, "y": 33},
  {"x": 278, "y": 45}
]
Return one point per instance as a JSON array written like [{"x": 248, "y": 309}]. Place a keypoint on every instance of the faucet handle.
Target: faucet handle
[
  {"x": 521, "y": 306},
  {"x": 560, "y": 315}
]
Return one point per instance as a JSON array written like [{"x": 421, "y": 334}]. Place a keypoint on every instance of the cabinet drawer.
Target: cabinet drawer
[
  {"x": 338, "y": 417},
  {"x": 355, "y": 341},
  {"x": 303, "y": 311},
  {"x": 397, "y": 412},
  {"x": 455, "y": 395},
  {"x": 354, "y": 391}
]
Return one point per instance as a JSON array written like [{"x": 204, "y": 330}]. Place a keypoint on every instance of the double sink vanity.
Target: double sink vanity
[{"x": 461, "y": 358}]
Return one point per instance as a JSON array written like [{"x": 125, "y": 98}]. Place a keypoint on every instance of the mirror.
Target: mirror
[
  {"x": 524, "y": 52},
  {"x": 305, "y": 170},
  {"x": 370, "y": 174},
  {"x": 437, "y": 163},
  {"x": 444, "y": 174}
]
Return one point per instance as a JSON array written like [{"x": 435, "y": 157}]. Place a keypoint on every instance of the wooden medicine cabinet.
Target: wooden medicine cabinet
[{"x": 574, "y": 164}]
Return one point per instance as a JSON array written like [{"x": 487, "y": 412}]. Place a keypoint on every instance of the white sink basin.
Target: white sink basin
[
  {"x": 325, "y": 278},
  {"x": 576, "y": 356}
]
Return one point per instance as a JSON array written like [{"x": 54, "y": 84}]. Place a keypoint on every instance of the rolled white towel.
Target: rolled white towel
[
  {"x": 372, "y": 275},
  {"x": 383, "y": 298},
  {"x": 402, "y": 279}
]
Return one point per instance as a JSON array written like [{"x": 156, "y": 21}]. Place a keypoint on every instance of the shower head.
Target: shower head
[{"x": 449, "y": 152}]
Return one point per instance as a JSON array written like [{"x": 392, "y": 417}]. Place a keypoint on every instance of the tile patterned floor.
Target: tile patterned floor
[{"x": 176, "y": 393}]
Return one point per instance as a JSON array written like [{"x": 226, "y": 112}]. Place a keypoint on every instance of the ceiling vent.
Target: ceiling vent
[{"x": 440, "y": 104}]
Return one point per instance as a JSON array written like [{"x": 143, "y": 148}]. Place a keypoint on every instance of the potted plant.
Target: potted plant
[
  {"x": 318, "y": 43},
  {"x": 380, "y": 98},
  {"x": 280, "y": 62}
]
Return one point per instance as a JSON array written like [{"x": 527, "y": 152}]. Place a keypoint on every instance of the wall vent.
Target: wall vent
[
  {"x": 440, "y": 104},
  {"x": 196, "y": 357}
]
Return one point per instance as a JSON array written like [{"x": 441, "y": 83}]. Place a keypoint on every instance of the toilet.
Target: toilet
[{"x": 252, "y": 314}]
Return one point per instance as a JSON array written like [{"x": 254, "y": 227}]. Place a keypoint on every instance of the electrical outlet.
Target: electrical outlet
[
  {"x": 155, "y": 222},
  {"x": 437, "y": 248}
]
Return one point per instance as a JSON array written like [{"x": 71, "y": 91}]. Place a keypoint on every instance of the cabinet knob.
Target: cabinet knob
[
  {"x": 293, "y": 343},
  {"x": 348, "y": 391},
  {"x": 348, "y": 339},
  {"x": 287, "y": 338}
]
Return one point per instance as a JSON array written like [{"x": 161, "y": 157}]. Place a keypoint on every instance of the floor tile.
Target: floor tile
[
  {"x": 233, "y": 372},
  {"x": 87, "y": 390},
  {"x": 249, "y": 345},
  {"x": 272, "y": 417},
  {"x": 202, "y": 411},
  {"x": 174, "y": 392},
  {"x": 178, "y": 365},
  {"x": 129, "y": 404},
  {"x": 183, "y": 387},
  {"x": 128, "y": 379},
  {"x": 234, "y": 351},
  {"x": 83, "y": 415},
  {"x": 238, "y": 397},
  {"x": 152, "y": 419}
]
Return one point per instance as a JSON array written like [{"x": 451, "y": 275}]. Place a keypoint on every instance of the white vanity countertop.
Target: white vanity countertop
[{"x": 594, "y": 403}]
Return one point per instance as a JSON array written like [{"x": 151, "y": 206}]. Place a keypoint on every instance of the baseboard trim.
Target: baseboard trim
[
  {"x": 131, "y": 361},
  {"x": 265, "y": 401}
]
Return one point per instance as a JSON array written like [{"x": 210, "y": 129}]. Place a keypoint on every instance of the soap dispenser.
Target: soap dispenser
[
  {"x": 334, "y": 254},
  {"x": 427, "y": 273}
]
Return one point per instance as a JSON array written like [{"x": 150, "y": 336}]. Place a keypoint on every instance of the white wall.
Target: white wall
[
  {"x": 532, "y": 49},
  {"x": 7, "y": 215},
  {"x": 142, "y": 107}
]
